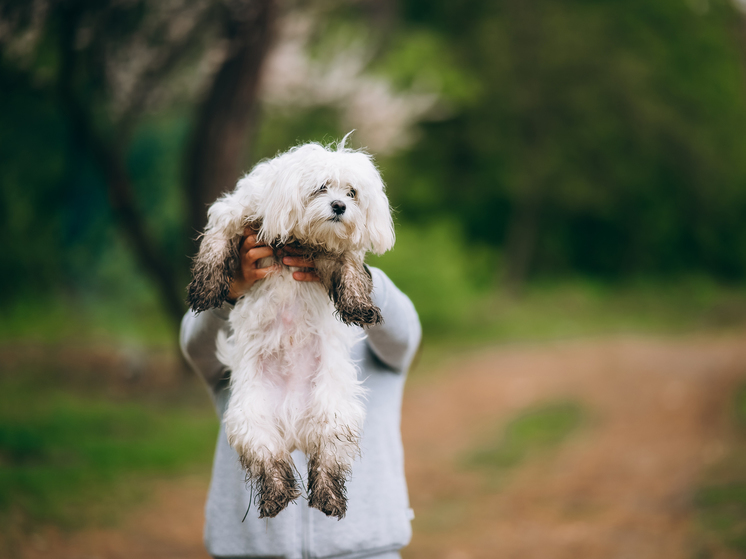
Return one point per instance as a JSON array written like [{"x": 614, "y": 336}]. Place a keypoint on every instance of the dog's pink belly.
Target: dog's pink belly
[{"x": 291, "y": 369}]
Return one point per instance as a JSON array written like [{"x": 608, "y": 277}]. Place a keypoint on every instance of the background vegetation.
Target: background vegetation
[
  {"x": 599, "y": 143},
  {"x": 556, "y": 169}
]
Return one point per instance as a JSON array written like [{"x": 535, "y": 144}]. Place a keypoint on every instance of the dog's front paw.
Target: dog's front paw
[
  {"x": 371, "y": 316},
  {"x": 360, "y": 315}
]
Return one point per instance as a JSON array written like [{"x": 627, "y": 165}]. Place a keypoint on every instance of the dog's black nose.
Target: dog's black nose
[{"x": 338, "y": 207}]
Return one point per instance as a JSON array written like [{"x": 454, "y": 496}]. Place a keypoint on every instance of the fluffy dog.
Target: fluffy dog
[{"x": 293, "y": 384}]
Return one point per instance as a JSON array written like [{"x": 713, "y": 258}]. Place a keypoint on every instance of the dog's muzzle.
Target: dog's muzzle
[{"x": 338, "y": 207}]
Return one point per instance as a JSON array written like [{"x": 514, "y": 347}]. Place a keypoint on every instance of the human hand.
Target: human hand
[
  {"x": 248, "y": 273},
  {"x": 309, "y": 274}
]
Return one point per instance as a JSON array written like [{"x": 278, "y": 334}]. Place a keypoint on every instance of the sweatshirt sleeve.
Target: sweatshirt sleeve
[
  {"x": 396, "y": 341},
  {"x": 198, "y": 337}
]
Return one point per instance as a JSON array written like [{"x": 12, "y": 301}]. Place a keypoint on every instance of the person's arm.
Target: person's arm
[
  {"x": 395, "y": 342},
  {"x": 199, "y": 332}
]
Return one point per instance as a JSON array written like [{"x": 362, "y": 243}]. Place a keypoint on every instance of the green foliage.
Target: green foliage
[
  {"x": 443, "y": 275},
  {"x": 535, "y": 430},
  {"x": 421, "y": 58},
  {"x": 577, "y": 308},
  {"x": 614, "y": 127},
  {"x": 451, "y": 283},
  {"x": 61, "y": 450},
  {"x": 282, "y": 130},
  {"x": 154, "y": 161},
  {"x": 134, "y": 319},
  {"x": 56, "y": 225},
  {"x": 32, "y": 229}
]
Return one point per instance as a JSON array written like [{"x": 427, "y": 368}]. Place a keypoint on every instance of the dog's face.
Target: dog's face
[{"x": 331, "y": 199}]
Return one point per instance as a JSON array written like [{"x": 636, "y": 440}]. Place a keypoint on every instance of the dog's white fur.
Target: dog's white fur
[{"x": 293, "y": 383}]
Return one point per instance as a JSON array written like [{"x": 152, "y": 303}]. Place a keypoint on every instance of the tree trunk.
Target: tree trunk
[
  {"x": 110, "y": 161},
  {"x": 229, "y": 113},
  {"x": 218, "y": 142},
  {"x": 521, "y": 243},
  {"x": 533, "y": 121}
]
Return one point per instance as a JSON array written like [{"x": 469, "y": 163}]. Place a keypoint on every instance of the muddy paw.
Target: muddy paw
[
  {"x": 326, "y": 490},
  {"x": 360, "y": 316},
  {"x": 276, "y": 487}
]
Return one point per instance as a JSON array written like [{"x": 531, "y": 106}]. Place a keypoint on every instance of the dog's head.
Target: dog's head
[
  {"x": 330, "y": 198},
  {"x": 333, "y": 199}
]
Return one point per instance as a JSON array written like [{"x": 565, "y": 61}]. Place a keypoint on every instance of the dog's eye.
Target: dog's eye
[
  {"x": 351, "y": 193},
  {"x": 322, "y": 188}
]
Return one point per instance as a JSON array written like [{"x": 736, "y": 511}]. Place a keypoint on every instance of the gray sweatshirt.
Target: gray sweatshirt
[{"x": 378, "y": 515}]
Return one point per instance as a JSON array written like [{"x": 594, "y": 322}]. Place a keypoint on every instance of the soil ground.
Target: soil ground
[{"x": 622, "y": 485}]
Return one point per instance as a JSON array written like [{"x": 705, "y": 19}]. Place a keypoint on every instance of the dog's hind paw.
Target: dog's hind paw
[
  {"x": 275, "y": 487},
  {"x": 326, "y": 490}
]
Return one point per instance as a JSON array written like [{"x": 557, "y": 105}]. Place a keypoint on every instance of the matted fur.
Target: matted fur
[
  {"x": 273, "y": 482},
  {"x": 212, "y": 271},
  {"x": 326, "y": 487},
  {"x": 349, "y": 285},
  {"x": 293, "y": 384}
]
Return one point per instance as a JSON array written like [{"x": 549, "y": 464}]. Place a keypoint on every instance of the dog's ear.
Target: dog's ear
[
  {"x": 350, "y": 286},
  {"x": 217, "y": 260},
  {"x": 379, "y": 226}
]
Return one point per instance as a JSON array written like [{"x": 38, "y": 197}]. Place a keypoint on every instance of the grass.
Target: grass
[
  {"x": 720, "y": 503},
  {"x": 453, "y": 284},
  {"x": 534, "y": 431},
  {"x": 576, "y": 309},
  {"x": 65, "y": 320},
  {"x": 71, "y": 456},
  {"x": 545, "y": 312}
]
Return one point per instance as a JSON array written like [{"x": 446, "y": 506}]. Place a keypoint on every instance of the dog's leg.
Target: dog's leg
[
  {"x": 218, "y": 257},
  {"x": 274, "y": 483},
  {"x": 212, "y": 271},
  {"x": 350, "y": 286},
  {"x": 326, "y": 485},
  {"x": 333, "y": 429},
  {"x": 254, "y": 433}
]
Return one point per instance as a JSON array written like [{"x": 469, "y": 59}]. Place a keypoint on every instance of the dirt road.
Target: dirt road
[{"x": 620, "y": 487}]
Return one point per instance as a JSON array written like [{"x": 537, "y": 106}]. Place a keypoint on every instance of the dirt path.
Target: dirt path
[
  {"x": 622, "y": 488},
  {"x": 168, "y": 526},
  {"x": 619, "y": 488}
]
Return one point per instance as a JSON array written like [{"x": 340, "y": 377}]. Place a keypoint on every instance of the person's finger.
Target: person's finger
[
  {"x": 261, "y": 273},
  {"x": 305, "y": 276},
  {"x": 251, "y": 238},
  {"x": 247, "y": 243},
  {"x": 257, "y": 253},
  {"x": 290, "y": 249},
  {"x": 298, "y": 261}
]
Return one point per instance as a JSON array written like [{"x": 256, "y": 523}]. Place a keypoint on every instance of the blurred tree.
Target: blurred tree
[
  {"x": 597, "y": 139},
  {"x": 109, "y": 63},
  {"x": 606, "y": 138}
]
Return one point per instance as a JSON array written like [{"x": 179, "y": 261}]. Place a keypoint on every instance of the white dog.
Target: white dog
[{"x": 293, "y": 384}]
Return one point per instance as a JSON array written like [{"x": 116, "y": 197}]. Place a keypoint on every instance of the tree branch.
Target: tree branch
[
  {"x": 117, "y": 180},
  {"x": 228, "y": 113},
  {"x": 154, "y": 75}
]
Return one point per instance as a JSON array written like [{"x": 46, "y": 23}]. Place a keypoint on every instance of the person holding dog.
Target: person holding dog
[{"x": 377, "y": 523}]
